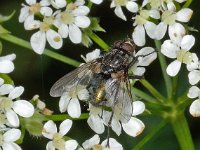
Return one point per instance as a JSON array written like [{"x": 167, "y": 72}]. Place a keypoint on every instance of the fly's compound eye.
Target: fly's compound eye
[
  {"x": 118, "y": 44},
  {"x": 128, "y": 47}
]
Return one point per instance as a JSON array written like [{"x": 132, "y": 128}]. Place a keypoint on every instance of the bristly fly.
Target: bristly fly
[{"x": 106, "y": 79}]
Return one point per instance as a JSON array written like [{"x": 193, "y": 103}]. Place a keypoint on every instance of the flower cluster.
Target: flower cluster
[
  {"x": 11, "y": 107},
  {"x": 66, "y": 21}
]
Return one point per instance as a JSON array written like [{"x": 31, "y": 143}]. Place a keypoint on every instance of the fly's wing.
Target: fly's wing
[
  {"x": 79, "y": 76},
  {"x": 119, "y": 98}
]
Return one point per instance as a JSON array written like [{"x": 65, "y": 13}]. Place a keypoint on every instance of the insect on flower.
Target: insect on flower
[{"x": 106, "y": 79}]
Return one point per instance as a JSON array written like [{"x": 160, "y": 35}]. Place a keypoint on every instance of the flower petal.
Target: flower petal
[
  {"x": 97, "y": 1},
  {"x": 138, "y": 108},
  {"x": 173, "y": 68},
  {"x": 184, "y": 15},
  {"x": 193, "y": 92},
  {"x": 65, "y": 126},
  {"x": 12, "y": 135},
  {"x": 24, "y": 13},
  {"x": 50, "y": 146},
  {"x": 6, "y": 66},
  {"x": 1, "y": 81},
  {"x": 74, "y": 108},
  {"x": 5, "y": 89},
  {"x": 46, "y": 11},
  {"x": 176, "y": 33},
  {"x": 63, "y": 30},
  {"x": 91, "y": 142},
  {"x": 63, "y": 103},
  {"x": 134, "y": 127},
  {"x": 16, "y": 92},
  {"x": 154, "y": 14},
  {"x": 118, "y": 11},
  {"x": 160, "y": 30},
  {"x": 54, "y": 39},
  {"x": 139, "y": 35},
  {"x": 75, "y": 34},
  {"x": 139, "y": 71},
  {"x": 113, "y": 144},
  {"x": 194, "y": 77},
  {"x": 83, "y": 94},
  {"x": 31, "y": 24},
  {"x": 150, "y": 29},
  {"x": 195, "y": 108},
  {"x": 71, "y": 145},
  {"x": 38, "y": 42},
  {"x": 81, "y": 11},
  {"x": 30, "y": 2},
  {"x": 169, "y": 49},
  {"x": 49, "y": 129},
  {"x": 58, "y": 3},
  {"x": 96, "y": 124},
  {"x": 23, "y": 108},
  {"x": 116, "y": 126},
  {"x": 187, "y": 42},
  {"x": 82, "y": 21},
  {"x": 132, "y": 6},
  {"x": 10, "y": 146},
  {"x": 10, "y": 57},
  {"x": 12, "y": 118}
]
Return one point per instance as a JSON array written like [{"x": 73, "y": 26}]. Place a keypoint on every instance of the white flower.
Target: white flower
[
  {"x": 169, "y": 18},
  {"x": 69, "y": 21},
  {"x": 145, "y": 57},
  {"x": 11, "y": 108},
  {"x": 94, "y": 143},
  {"x": 50, "y": 131},
  {"x": 38, "y": 39},
  {"x": 130, "y": 5},
  {"x": 92, "y": 55},
  {"x": 70, "y": 100},
  {"x": 180, "y": 53},
  {"x": 27, "y": 12},
  {"x": 194, "y": 92},
  {"x": 142, "y": 23},
  {"x": 6, "y": 64},
  {"x": 8, "y": 138},
  {"x": 99, "y": 118}
]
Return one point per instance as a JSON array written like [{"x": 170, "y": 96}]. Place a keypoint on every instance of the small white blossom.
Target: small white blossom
[
  {"x": 92, "y": 55},
  {"x": 180, "y": 53},
  {"x": 6, "y": 63},
  {"x": 38, "y": 39},
  {"x": 11, "y": 108},
  {"x": 194, "y": 92},
  {"x": 94, "y": 143},
  {"x": 51, "y": 132},
  {"x": 130, "y": 5},
  {"x": 142, "y": 23},
  {"x": 8, "y": 139},
  {"x": 69, "y": 21},
  {"x": 96, "y": 1},
  {"x": 170, "y": 18},
  {"x": 28, "y": 11},
  {"x": 69, "y": 101}
]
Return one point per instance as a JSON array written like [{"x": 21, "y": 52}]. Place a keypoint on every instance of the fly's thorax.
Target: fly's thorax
[{"x": 116, "y": 60}]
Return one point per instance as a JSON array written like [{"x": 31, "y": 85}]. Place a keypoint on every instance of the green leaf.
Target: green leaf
[
  {"x": 34, "y": 127},
  {"x": 86, "y": 41},
  {"x": 95, "y": 25},
  {"x": 6, "y": 18}
]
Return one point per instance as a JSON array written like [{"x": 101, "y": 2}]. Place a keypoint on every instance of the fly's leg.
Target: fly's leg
[
  {"x": 136, "y": 77},
  {"x": 109, "y": 126}
]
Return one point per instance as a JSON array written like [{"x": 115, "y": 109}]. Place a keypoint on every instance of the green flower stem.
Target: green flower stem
[
  {"x": 182, "y": 132},
  {"x": 144, "y": 95},
  {"x": 152, "y": 90},
  {"x": 174, "y": 86},
  {"x": 62, "y": 117},
  {"x": 23, "y": 43},
  {"x": 163, "y": 64},
  {"x": 99, "y": 41},
  {"x": 150, "y": 135},
  {"x": 23, "y": 131},
  {"x": 187, "y": 3}
]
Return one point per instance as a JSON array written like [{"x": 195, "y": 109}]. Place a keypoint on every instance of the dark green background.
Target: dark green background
[{"x": 37, "y": 74}]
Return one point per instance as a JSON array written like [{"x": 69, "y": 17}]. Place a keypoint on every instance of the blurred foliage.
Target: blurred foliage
[{"x": 37, "y": 74}]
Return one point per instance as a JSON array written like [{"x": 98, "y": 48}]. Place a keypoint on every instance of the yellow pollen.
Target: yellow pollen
[{"x": 57, "y": 39}]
